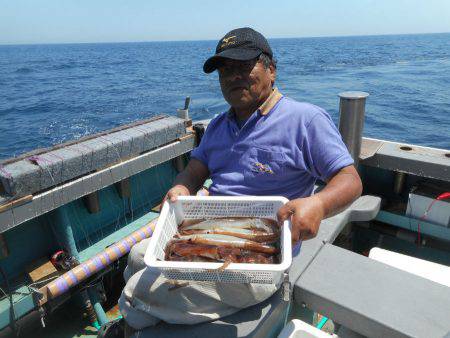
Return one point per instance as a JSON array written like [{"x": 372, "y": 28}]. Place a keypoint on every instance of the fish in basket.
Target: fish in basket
[{"x": 230, "y": 240}]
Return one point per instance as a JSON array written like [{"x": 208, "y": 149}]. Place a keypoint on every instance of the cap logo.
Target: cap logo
[{"x": 228, "y": 41}]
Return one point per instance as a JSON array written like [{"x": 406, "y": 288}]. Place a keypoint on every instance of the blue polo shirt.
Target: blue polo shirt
[{"x": 282, "y": 149}]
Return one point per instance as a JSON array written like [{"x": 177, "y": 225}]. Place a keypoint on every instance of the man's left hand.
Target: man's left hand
[{"x": 305, "y": 215}]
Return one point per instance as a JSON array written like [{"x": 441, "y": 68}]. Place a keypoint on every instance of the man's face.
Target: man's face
[{"x": 245, "y": 84}]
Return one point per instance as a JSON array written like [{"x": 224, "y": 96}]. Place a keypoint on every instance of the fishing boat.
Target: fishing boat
[{"x": 70, "y": 214}]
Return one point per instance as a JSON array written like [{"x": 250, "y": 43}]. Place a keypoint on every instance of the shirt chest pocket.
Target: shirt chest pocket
[{"x": 263, "y": 166}]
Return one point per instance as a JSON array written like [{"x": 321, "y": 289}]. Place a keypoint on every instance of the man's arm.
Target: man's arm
[
  {"x": 341, "y": 190},
  {"x": 189, "y": 181},
  {"x": 307, "y": 213}
]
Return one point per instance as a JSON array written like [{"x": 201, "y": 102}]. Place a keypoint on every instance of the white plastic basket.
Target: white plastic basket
[{"x": 196, "y": 207}]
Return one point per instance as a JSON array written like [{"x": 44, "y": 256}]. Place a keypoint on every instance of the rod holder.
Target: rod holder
[
  {"x": 4, "y": 251},
  {"x": 184, "y": 113},
  {"x": 352, "y": 108},
  {"x": 92, "y": 202},
  {"x": 124, "y": 188}
]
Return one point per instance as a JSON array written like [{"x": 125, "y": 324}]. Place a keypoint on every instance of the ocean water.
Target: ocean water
[{"x": 53, "y": 93}]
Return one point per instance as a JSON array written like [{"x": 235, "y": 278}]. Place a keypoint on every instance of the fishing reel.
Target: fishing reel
[{"x": 63, "y": 261}]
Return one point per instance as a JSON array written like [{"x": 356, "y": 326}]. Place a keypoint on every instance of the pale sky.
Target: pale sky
[{"x": 72, "y": 21}]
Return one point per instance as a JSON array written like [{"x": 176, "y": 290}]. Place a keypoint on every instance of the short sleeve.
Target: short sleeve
[{"x": 325, "y": 151}]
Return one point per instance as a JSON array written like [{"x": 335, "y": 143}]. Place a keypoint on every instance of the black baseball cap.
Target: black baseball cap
[{"x": 239, "y": 44}]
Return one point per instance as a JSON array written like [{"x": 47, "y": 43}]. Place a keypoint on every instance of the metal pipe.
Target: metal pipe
[
  {"x": 399, "y": 182},
  {"x": 63, "y": 230},
  {"x": 90, "y": 311},
  {"x": 95, "y": 300},
  {"x": 351, "y": 121}
]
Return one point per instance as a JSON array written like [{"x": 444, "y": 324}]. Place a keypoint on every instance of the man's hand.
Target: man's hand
[
  {"x": 305, "y": 215},
  {"x": 189, "y": 181},
  {"x": 174, "y": 192}
]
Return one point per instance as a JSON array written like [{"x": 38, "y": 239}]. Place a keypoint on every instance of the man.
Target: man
[{"x": 266, "y": 144}]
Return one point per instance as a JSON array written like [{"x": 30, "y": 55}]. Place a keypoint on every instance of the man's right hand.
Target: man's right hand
[
  {"x": 189, "y": 180},
  {"x": 174, "y": 192}
]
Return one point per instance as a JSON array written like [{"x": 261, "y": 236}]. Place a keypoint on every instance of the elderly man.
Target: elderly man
[
  {"x": 265, "y": 144},
  {"x": 268, "y": 144}
]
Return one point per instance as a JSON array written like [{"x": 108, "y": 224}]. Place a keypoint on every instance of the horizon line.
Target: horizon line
[{"x": 198, "y": 40}]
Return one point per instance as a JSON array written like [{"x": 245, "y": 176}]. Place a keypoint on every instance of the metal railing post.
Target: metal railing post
[{"x": 351, "y": 121}]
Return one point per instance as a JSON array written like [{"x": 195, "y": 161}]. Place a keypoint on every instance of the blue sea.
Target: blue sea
[{"x": 54, "y": 93}]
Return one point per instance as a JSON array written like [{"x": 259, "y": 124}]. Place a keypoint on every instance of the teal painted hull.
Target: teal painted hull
[{"x": 42, "y": 236}]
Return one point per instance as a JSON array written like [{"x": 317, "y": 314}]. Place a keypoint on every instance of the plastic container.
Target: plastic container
[
  {"x": 199, "y": 207},
  {"x": 297, "y": 328}
]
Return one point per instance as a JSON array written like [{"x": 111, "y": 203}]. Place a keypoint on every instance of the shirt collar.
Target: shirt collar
[{"x": 267, "y": 106}]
